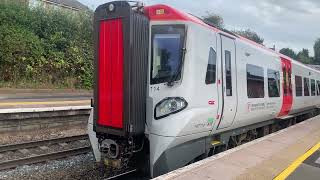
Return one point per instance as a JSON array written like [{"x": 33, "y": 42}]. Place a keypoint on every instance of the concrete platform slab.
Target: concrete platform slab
[
  {"x": 264, "y": 158},
  {"x": 28, "y": 98}
]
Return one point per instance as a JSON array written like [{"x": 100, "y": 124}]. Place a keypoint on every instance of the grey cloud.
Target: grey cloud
[{"x": 285, "y": 23}]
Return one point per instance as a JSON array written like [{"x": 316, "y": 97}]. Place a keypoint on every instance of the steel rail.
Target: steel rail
[
  {"x": 13, "y": 147},
  {"x": 44, "y": 157},
  {"x": 121, "y": 174}
]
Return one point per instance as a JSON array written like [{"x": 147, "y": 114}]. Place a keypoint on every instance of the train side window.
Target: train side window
[
  {"x": 228, "y": 73},
  {"x": 306, "y": 84},
  {"x": 285, "y": 85},
  {"x": 313, "y": 87},
  {"x": 255, "y": 81},
  {"x": 318, "y": 88},
  {"x": 290, "y": 84},
  {"x": 298, "y": 82},
  {"x": 211, "y": 68},
  {"x": 273, "y": 83}
]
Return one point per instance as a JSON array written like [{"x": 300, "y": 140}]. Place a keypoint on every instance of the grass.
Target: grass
[{"x": 68, "y": 83}]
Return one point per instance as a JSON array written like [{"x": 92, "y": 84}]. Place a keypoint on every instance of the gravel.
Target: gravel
[
  {"x": 73, "y": 168},
  {"x": 11, "y": 138},
  {"x": 77, "y": 167}
]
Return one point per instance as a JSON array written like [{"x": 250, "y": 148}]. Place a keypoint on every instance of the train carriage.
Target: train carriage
[{"x": 171, "y": 89}]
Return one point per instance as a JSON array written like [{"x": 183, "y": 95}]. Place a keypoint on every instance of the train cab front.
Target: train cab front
[
  {"x": 121, "y": 57},
  {"x": 140, "y": 97}
]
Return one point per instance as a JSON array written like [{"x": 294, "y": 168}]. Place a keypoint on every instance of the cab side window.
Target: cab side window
[
  {"x": 228, "y": 73},
  {"x": 211, "y": 68}
]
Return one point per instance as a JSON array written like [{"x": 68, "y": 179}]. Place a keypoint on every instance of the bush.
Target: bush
[{"x": 41, "y": 46}]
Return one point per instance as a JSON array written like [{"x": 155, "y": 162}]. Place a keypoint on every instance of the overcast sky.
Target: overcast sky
[{"x": 285, "y": 23}]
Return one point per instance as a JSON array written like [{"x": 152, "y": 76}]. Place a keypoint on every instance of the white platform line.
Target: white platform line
[{"x": 44, "y": 109}]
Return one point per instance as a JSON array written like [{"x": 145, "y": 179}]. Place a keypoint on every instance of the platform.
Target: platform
[
  {"x": 41, "y": 98},
  {"x": 292, "y": 153}
]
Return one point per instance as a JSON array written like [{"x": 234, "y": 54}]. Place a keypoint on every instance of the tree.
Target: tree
[
  {"x": 217, "y": 21},
  {"x": 316, "y": 48},
  {"x": 249, "y": 34},
  {"x": 303, "y": 56},
  {"x": 288, "y": 52},
  {"x": 214, "y": 19}
]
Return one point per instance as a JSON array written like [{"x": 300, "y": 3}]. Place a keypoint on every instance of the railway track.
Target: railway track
[{"x": 15, "y": 155}]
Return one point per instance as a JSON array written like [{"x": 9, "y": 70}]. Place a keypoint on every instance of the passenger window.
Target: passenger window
[
  {"x": 298, "y": 81},
  {"x": 318, "y": 88},
  {"x": 306, "y": 84},
  {"x": 255, "y": 81},
  {"x": 313, "y": 87},
  {"x": 287, "y": 86},
  {"x": 228, "y": 73},
  {"x": 290, "y": 84},
  {"x": 273, "y": 83},
  {"x": 211, "y": 68}
]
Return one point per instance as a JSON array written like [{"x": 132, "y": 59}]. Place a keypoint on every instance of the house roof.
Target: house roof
[{"x": 69, "y": 3}]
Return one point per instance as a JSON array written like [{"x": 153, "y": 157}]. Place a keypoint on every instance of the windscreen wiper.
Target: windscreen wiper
[{"x": 178, "y": 71}]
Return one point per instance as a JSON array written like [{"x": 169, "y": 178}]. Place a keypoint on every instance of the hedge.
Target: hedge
[{"x": 50, "y": 47}]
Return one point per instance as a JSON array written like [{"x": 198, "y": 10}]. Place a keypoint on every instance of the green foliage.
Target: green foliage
[
  {"x": 249, "y": 34},
  {"x": 316, "y": 48},
  {"x": 45, "y": 46},
  {"x": 303, "y": 56},
  {"x": 288, "y": 52},
  {"x": 217, "y": 21},
  {"x": 214, "y": 19}
]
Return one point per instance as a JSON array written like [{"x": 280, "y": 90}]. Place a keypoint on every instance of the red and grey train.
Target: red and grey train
[{"x": 171, "y": 89}]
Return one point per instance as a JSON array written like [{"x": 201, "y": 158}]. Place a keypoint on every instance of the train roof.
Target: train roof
[{"x": 161, "y": 12}]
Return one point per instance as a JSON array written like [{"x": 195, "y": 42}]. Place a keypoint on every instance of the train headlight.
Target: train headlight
[{"x": 169, "y": 106}]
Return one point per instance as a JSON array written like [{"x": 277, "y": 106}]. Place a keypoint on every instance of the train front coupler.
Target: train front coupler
[{"x": 120, "y": 155}]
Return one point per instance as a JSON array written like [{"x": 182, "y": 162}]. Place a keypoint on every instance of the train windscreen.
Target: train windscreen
[{"x": 167, "y": 52}]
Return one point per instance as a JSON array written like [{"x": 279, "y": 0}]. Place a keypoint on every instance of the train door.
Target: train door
[
  {"x": 287, "y": 87},
  {"x": 229, "y": 84}
]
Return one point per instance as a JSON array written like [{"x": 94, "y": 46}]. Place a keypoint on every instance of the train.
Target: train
[{"x": 171, "y": 89}]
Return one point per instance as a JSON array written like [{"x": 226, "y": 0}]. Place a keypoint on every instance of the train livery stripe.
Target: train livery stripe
[
  {"x": 110, "y": 86},
  {"x": 165, "y": 13},
  {"x": 287, "y": 98}
]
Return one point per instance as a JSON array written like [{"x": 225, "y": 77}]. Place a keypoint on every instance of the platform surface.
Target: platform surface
[
  {"x": 40, "y": 98},
  {"x": 306, "y": 167},
  {"x": 285, "y": 154}
]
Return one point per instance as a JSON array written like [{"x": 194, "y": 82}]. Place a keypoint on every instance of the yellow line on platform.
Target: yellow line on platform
[
  {"x": 43, "y": 103},
  {"x": 284, "y": 174}
]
